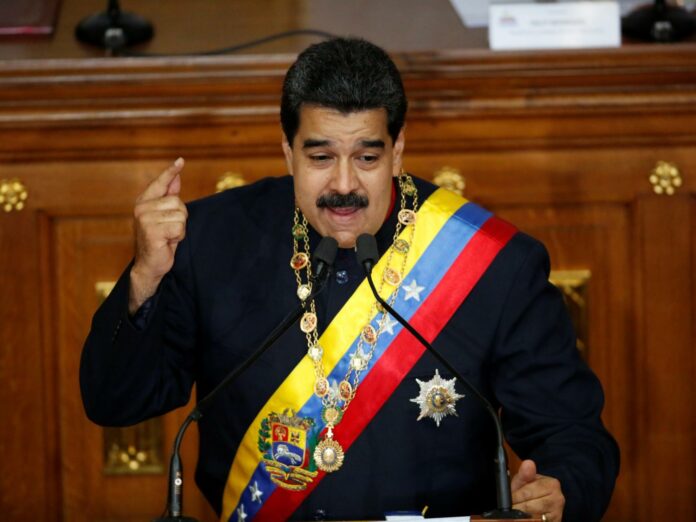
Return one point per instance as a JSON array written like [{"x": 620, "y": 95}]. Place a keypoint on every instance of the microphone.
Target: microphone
[
  {"x": 114, "y": 29},
  {"x": 367, "y": 254},
  {"x": 323, "y": 257}
]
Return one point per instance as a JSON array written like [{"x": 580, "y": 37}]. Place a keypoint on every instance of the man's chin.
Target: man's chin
[{"x": 346, "y": 239}]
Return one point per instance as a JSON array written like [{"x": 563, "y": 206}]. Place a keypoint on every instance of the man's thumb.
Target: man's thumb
[
  {"x": 525, "y": 474},
  {"x": 174, "y": 186}
]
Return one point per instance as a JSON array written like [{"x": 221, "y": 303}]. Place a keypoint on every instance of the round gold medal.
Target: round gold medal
[
  {"x": 401, "y": 246},
  {"x": 407, "y": 217},
  {"x": 345, "y": 390},
  {"x": 299, "y": 261},
  {"x": 321, "y": 387},
  {"x": 368, "y": 334},
  {"x": 299, "y": 231},
  {"x": 331, "y": 415},
  {"x": 328, "y": 455},
  {"x": 391, "y": 276},
  {"x": 308, "y": 322}
]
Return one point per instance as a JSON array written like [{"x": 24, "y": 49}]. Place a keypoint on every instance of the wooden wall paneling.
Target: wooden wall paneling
[
  {"x": 597, "y": 237},
  {"x": 24, "y": 440},
  {"x": 665, "y": 376},
  {"x": 87, "y": 250}
]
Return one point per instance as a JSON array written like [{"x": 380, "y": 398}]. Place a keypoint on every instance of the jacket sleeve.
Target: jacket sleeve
[
  {"x": 130, "y": 374},
  {"x": 550, "y": 400}
]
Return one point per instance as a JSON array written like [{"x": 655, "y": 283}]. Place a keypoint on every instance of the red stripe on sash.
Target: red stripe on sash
[{"x": 403, "y": 353}]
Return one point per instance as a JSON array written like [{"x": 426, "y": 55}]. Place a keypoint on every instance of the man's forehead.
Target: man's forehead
[{"x": 322, "y": 124}]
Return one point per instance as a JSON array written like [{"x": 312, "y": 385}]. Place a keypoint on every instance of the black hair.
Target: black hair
[{"x": 346, "y": 74}]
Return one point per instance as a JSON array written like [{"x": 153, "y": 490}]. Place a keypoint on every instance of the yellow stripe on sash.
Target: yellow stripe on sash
[{"x": 297, "y": 388}]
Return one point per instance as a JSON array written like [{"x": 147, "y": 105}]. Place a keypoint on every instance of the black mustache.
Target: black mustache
[{"x": 335, "y": 200}]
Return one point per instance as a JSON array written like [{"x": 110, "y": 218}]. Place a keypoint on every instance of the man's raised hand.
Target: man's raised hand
[{"x": 160, "y": 224}]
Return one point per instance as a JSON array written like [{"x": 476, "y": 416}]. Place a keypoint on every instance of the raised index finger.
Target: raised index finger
[{"x": 158, "y": 186}]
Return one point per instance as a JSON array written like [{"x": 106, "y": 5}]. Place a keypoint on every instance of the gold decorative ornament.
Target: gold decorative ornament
[
  {"x": 407, "y": 217},
  {"x": 665, "y": 178},
  {"x": 573, "y": 285},
  {"x": 437, "y": 398},
  {"x": 229, "y": 180},
  {"x": 103, "y": 289},
  {"x": 13, "y": 194},
  {"x": 308, "y": 323},
  {"x": 328, "y": 455},
  {"x": 451, "y": 179},
  {"x": 392, "y": 277},
  {"x": 304, "y": 291}
]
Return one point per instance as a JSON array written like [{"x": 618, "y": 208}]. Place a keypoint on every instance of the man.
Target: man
[{"x": 346, "y": 417}]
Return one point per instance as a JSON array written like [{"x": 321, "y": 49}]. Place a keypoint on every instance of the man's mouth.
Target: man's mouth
[{"x": 343, "y": 211}]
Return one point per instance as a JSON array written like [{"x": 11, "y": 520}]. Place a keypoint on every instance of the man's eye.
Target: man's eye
[
  {"x": 368, "y": 158},
  {"x": 320, "y": 157}
]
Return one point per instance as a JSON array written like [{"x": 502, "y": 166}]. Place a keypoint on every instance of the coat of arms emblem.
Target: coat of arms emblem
[{"x": 287, "y": 444}]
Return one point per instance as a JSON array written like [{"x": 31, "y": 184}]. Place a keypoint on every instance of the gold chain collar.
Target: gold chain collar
[{"x": 328, "y": 454}]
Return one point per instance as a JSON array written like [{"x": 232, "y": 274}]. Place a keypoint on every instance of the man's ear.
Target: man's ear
[
  {"x": 287, "y": 151},
  {"x": 398, "y": 153}
]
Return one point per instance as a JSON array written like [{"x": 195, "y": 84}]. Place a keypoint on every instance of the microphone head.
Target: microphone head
[
  {"x": 366, "y": 249},
  {"x": 325, "y": 253}
]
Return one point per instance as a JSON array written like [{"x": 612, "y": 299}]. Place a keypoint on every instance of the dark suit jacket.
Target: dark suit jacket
[{"x": 231, "y": 284}]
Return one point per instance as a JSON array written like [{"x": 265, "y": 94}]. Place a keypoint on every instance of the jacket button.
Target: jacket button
[{"x": 320, "y": 514}]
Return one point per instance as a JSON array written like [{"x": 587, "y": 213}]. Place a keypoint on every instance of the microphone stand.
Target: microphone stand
[
  {"x": 366, "y": 247},
  {"x": 176, "y": 471}
]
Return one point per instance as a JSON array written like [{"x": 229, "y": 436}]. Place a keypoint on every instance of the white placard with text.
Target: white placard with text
[{"x": 567, "y": 25}]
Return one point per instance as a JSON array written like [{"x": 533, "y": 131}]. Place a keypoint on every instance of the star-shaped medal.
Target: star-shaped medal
[
  {"x": 413, "y": 291},
  {"x": 437, "y": 398}
]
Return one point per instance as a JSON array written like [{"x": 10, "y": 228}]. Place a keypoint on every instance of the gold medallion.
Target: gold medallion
[
  {"x": 331, "y": 415},
  {"x": 368, "y": 334},
  {"x": 299, "y": 261},
  {"x": 328, "y": 455},
  {"x": 299, "y": 231},
  {"x": 407, "y": 217},
  {"x": 401, "y": 246},
  {"x": 315, "y": 352},
  {"x": 303, "y": 291},
  {"x": 391, "y": 276},
  {"x": 345, "y": 390},
  {"x": 321, "y": 387},
  {"x": 409, "y": 187},
  {"x": 308, "y": 322}
]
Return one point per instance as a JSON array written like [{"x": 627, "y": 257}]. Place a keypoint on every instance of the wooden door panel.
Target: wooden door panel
[
  {"x": 27, "y": 446},
  {"x": 664, "y": 355},
  {"x": 88, "y": 250},
  {"x": 598, "y": 238}
]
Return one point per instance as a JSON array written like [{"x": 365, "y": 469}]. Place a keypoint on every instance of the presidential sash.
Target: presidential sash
[{"x": 272, "y": 472}]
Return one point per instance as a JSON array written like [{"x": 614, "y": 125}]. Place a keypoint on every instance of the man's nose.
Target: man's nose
[{"x": 345, "y": 179}]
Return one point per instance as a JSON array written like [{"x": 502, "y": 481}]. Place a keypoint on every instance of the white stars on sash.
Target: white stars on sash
[
  {"x": 412, "y": 290},
  {"x": 255, "y": 492},
  {"x": 389, "y": 324},
  {"x": 241, "y": 514}
]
